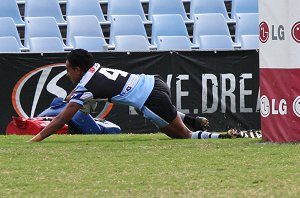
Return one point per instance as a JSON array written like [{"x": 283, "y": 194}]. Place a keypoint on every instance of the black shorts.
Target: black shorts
[{"x": 159, "y": 101}]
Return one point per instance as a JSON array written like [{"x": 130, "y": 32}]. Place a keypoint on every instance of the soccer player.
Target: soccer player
[{"x": 147, "y": 93}]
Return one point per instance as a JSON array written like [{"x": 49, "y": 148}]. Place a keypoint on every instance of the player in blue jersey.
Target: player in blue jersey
[{"x": 147, "y": 93}]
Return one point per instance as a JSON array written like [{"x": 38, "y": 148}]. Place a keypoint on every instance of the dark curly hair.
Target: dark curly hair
[{"x": 81, "y": 58}]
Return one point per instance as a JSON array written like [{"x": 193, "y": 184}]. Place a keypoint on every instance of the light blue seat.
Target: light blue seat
[
  {"x": 45, "y": 44},
  {"x": 93, "y": 44},
  {"x": 86, "y": 7},
  {"x": 167, "y": 25},
  {"x": 176, "y": 43},
  {"x": 125, "y": 7},
  {"x": 9, "y": 44},
  {"x": 9, "y": 8},
  {"x": 249, "y": 42},
  {"x": 126, "y": 25},
  {"x": 8, "y": 28},
  {"x": 131, "y": 43},
  {"x": 20, "y": 1},
  {"x": 243, "y": 6},
  {"x": 62, "y": 1},
  {"x": 41, "y": 27},
  {"x": 209, "y": 24},
  {"x": 161, "y": 7},
  {"x": 246, "y": 24},
  {"x": 85, "y": 25},
  {"x": 215, "y": 42},
  {"x": 209, "y": 6},
  {"x": 38, "y": 8}
]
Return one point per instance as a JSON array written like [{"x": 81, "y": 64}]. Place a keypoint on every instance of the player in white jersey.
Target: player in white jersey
[{"x": 147, "y": 93}]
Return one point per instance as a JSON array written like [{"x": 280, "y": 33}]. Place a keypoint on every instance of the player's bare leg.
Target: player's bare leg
[{"x": 177, "y": 129}]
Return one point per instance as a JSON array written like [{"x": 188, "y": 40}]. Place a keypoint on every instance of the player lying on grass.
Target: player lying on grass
[
  {"x": 81, "y": 123},
  {"x": 84, "y": 123},
  {"x": 147, "y": 93}
]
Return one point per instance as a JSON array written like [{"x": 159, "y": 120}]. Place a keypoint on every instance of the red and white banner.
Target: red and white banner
[{"x": 280, "y": 70}]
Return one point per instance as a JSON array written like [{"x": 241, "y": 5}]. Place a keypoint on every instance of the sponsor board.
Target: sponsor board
[
  {"x": 41, "y": 83},
  {"x": 221, "y": 86}
]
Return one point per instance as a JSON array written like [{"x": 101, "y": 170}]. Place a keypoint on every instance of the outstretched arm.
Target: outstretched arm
[
  {"x": 68, "y": 98},
  {"x": 58, "y": 122}
]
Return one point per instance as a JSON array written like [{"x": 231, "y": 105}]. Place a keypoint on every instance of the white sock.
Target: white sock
[
  {"x": 204, "y": 135},
  {"x": 182, "y": 115}
]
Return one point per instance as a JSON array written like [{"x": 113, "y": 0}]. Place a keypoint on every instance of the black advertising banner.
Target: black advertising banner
[
  {"x": 29, "y": 83},
  {"x": 223, "y": 86}
]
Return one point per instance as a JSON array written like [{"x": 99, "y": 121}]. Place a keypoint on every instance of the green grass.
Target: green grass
[{"x": 147, "y": 166}]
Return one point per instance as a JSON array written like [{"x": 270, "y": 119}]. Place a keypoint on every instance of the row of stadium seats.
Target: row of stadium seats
[
  {"x": 37, "y": 8},
  {"x": 100, "y": 1},
  {"x": 128, "y": 33}
]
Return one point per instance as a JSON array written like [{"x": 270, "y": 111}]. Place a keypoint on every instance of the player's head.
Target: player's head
[
  {"x": 81, "y": 58},
  {"x": 78, "y": 62}
]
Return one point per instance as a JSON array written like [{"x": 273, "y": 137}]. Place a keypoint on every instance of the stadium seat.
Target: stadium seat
[
  {"x": 209, "y": 6},
  {"x": 42, "y": 27},
  {"x": 131, "y": 43},
  {"x": 249, "y": 42},
  {"x": 215, "y": 42},
  {"x": 62, "y": 1},
  {"x": 85, "y": 25},
  {"x": 242, "y": 6},
  {"x": 86, "y": 7},
  {"x": 176, "y": 43},
  {"x": 160, "y": 7},
  {"x": 20, "y": 1},
  {"x": 126, "y": 25},
  {"x": 8, "y": 28},
  {"x": 38, "y": 8},
  {"x": 9, "y": 44},
  {"x": 125, "y": 7},
  {"x": 246, "y": 24},
  {"x": 168, "y": 25},
  {"x": 45, "y": 44},
  {"x": 9, "y": 8},
  {"x": 209, "y": 24},
  {"x": 93, "y": 44}
]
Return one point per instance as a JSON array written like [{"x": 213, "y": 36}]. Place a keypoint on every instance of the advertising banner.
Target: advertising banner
[
  {"x": 279, "y": 70},
  {"x": 223, "y": 86}
]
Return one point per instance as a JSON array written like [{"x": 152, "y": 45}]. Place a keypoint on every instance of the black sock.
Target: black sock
[
  {"x": 224, "y": 136},
  {"x": 189, "y": 120}
]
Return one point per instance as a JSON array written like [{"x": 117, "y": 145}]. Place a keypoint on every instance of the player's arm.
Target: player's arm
[
  {"x": 58, "y": 122},
  {"x": 68, "y": 98}
]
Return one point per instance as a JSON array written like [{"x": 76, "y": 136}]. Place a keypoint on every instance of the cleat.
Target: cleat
[
  {"x": 235, "y": 133},
  {"x": 252, "y": 134},
  {"x": 201, "y": 123}
]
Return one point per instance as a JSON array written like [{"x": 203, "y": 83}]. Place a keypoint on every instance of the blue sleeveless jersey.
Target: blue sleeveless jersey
[
  {"x": 136, "y": 91},
  {"x": 114, "y": 85}
]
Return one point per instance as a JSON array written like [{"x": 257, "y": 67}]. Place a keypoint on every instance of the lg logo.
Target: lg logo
[
  {"x": 296, "y": 106},
  {"x": 277, "y": 32},
  {"x": 264, "y": 106},
  {"x": 272, "y": 107},
  {"x": 263, "y": 32},
  {"x": 296, "y": 32}
]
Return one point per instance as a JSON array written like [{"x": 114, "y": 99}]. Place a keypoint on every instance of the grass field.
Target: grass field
[{"x": 147, "y": 166}]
